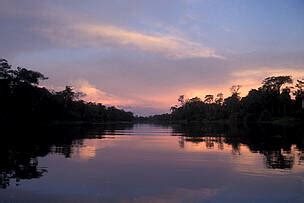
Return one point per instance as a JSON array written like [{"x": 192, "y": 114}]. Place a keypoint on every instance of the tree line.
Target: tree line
[
  {"x": 277, "y": 99},
  {"x": 23, "y": 100}
]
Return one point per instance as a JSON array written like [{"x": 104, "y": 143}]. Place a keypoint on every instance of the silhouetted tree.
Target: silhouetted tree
[
  {"x": 299, "y": 94},
  {"x": 4, "y": 69},
  {"x": 23, "y": 100},
  {"x": 274, "y": 83},
  {"x": 209, "y": 99},
  {"x": 22, "y": 75},
  {"x": 270, "y": 102},
  {"x": 181, "y": 99},
  {"x": 219, "y": 98}
]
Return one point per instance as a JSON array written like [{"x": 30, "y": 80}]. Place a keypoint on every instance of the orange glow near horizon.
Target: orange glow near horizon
[{"x": 248, "y": 79}]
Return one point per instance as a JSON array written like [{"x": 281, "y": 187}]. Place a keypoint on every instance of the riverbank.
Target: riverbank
[{"x": 286, "y": 121}]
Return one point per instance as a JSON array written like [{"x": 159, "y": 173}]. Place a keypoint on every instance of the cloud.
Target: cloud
[
  {"x": 139, "y": 105},
  {"x": 247, "y": 78},
  {"x": 99, "y": 36},
  {"x": 97, "y": 95},
  {"x": 160, "y": 102},
  {"x": 268, "y": 71},
  {"x": 111, "y": 47}
]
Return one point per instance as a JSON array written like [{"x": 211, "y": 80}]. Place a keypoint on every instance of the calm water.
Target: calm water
[{"x": 152, "y": 163}]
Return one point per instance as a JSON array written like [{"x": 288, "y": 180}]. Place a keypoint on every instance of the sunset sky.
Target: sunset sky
[{"x": 141, "y": 55}]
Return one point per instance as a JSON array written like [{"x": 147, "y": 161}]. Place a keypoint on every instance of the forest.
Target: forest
[
  {"x": 23, "y": 100},
  {"x": 277, "y": 100}
]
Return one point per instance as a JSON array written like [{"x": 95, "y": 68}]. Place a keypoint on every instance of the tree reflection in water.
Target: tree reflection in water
[
  {"x": 279, "y": 145},
  {"x": 20, "y": 149}
]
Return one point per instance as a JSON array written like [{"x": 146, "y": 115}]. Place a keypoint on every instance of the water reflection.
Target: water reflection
[
  {"x": 282, "y": 148},
  {"x": 20, "y": 148}
]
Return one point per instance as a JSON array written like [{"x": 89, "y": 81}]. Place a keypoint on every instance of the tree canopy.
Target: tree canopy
[
  {"x": 273, "y": 100},
  {"x": 23, "y": 100}
]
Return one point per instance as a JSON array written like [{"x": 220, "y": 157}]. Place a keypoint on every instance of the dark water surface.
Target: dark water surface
[{"x": 152, "y": 163}]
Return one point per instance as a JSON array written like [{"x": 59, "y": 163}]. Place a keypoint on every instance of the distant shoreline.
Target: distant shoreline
[{"x": 280, "y": 121}]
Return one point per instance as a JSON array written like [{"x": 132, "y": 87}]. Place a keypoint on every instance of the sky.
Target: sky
[{"x": 141, "y": 55}]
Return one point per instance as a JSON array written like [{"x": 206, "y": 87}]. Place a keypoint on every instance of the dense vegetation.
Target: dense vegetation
[
  {"x": 23, "y": 100},
  {"x": 276, "y": 99}
]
